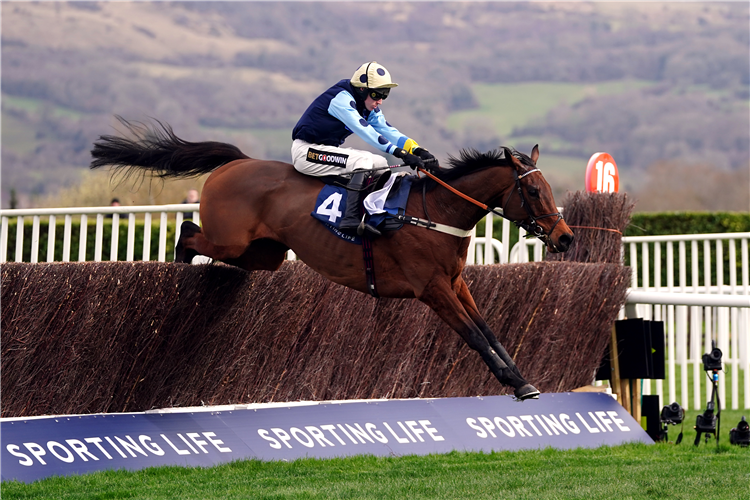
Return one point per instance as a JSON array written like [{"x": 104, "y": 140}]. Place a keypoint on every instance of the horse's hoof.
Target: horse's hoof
[{"x": 527, "y": 391}]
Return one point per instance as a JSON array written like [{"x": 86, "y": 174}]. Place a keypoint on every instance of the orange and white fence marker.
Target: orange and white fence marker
[{"x": 601, "y": 174}]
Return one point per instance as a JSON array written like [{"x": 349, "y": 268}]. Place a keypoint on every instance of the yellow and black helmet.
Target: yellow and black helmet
[{"x": 373, "y": 76}]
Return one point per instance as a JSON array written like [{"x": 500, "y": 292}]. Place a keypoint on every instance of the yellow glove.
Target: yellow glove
[{"x": 410, "y": 145}]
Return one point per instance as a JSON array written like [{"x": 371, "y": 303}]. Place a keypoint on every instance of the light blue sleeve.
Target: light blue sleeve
[
  {"x": 342, "y": 108},
  {"x": 378, "y": 122}
]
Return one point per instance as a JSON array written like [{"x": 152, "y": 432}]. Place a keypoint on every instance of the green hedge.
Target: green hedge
[
  {"x": 90, "y": 239},
  {"x": 657, "y": 223}
]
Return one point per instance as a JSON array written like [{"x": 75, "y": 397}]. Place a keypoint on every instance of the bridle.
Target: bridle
[{"x": 532, "y": 227}]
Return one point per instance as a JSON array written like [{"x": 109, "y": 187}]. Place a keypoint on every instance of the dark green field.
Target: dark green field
[{"x": 663, "y": 471}]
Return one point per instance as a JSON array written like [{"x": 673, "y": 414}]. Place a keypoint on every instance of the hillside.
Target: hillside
[{"x": 647, "y": 82}]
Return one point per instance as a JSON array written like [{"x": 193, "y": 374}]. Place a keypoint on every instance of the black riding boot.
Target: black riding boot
[{"x": 353, "y": 222}]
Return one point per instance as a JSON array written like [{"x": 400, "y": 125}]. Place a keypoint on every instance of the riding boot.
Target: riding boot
[{"x": 352, "y": 220}]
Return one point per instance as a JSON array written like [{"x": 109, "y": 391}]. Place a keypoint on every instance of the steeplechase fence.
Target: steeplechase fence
[{"x": 712, "y": 268}]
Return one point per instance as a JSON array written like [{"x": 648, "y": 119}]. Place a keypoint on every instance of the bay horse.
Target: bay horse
[{"x": 252, "y": 211}]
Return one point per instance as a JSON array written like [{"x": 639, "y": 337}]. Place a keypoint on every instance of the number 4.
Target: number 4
[{"x": 330, "y": 207}]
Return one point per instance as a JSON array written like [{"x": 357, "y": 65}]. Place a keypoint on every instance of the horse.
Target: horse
[{"x": 252, "y": 211}]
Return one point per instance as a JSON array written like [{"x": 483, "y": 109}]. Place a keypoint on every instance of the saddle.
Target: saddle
[{"x": 331, "y": 201}]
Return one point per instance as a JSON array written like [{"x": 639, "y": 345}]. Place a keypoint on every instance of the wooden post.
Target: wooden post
[
  {"x": 615, "y": 364},
  {"x": 628, "y": 390},
  {"x": 626, "y": 395},
  {"x": 636, "y": 392}
]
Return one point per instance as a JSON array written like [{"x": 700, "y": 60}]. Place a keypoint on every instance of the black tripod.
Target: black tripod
[{"x": 708, "y": 422}]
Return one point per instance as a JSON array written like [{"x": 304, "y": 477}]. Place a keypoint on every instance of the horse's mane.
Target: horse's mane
[{"x": 470, "y": 160}]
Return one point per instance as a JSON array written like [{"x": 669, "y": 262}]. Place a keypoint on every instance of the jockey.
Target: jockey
[{"x": 352, "y": 106}]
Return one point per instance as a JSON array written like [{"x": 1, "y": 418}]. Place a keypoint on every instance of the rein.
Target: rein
[{"x": 533, "y": 227}]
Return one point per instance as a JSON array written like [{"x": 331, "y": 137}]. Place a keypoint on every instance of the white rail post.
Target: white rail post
[
  {"x": 19, "y": 239},
  {"x": 66, "y": 238},
  {"x": 163, "y": 237},
  {"x": 177, "y": 231},
  {"x": 734, "y": 357},
  {"x": 505, "y": 255},
  {"x": 99, "y": 237},
  {"x": 489, "y": 253},
  {"x": 51, "y": 229},
  {"x": 671, "y": 324},
  {"x": 695, "y": 327},
  {"x": 35, "y": 239},
  {"x": 722, "y": 320},
  {"x": 115, "y": 241},
  {"x": 744, "y": 335},
  {"x": 708, "y": 311},
  {"x": 682, "y": 330},
  {"x": 658, "y": 312},
  {"x": 82, "y": 239},
  {"x": 646, "y": 281},
  {"x": 538, "y": 250},
  {"x": 147, "y": 236},
  {"x": 4, "y": 240},
  {"x": 131, "y": 238}
]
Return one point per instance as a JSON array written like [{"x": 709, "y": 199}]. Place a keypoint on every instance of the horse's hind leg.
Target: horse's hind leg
[
  {"x": 192, "y": 242},
  {"x": 443, "y": 300},
  {"x": 262, "y": 255},
  {"x": 464, "y": 296},
  {"x": 182, "y": 251}
]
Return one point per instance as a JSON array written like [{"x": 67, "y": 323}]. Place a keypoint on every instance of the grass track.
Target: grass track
[{"x": 663, "y": 471}]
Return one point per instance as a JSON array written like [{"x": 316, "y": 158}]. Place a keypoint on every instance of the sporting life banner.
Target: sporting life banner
[{"x": 40, "y": 447}]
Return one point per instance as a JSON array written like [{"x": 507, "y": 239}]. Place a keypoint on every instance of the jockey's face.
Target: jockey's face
[{"x": 371, "y": 103}]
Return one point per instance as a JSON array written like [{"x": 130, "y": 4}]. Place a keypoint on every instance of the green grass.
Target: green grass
[
  {"x": 17, "y": 136},
  {"x": 32, "y": 105},
  {"x": 634, "y": 471},
  {"x": 509, "y": 106}
]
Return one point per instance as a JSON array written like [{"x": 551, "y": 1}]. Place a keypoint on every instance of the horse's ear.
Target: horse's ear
[
  {"x": 535, "y": 153},
  {"x": 511, "y": 158}
]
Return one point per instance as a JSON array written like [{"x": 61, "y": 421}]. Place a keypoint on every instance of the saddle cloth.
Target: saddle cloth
[{"x": 331, "y": 201}]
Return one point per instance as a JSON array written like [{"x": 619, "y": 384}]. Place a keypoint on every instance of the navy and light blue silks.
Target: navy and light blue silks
[
  {"x": 329, "y": 208},
  {"x": 338, "y": 113}
]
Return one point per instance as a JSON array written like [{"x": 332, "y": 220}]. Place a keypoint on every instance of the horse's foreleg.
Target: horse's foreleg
[
  {"x": 464, "y": 296},
  {"x": 442, "y": 299},
  {"x": 462, "y": 291}
]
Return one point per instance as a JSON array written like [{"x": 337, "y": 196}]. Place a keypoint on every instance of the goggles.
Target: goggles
[{"x": 378, "y": 94}]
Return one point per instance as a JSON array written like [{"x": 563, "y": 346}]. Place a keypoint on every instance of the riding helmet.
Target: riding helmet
[{"x": 372, "y": 75}]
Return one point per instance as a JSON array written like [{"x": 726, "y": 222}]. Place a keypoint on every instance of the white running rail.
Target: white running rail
[{"x": 163, "y": 214}]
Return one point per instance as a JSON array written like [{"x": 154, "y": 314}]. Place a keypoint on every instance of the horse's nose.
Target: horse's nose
[{"x": 564, "y": 242}]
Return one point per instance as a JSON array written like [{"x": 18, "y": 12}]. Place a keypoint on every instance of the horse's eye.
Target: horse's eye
[{"x": 533, "y": 192}]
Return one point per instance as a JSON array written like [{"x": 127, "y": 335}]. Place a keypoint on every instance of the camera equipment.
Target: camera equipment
[
  {"x": 671, "y": 415},
  {"x": 708, "y": 422},
  {"x": 712, "y": 360},
  {"x": 740, "y": 435}
]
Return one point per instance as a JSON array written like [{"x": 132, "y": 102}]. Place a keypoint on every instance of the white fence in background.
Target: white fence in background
[
  {"x": 162, "y": 212},
  {"x": 712, "y": 312},
  {"x": 710, "y": 302}
]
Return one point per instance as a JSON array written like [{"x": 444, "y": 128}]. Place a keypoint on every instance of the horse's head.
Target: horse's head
[{"x": 531, "y": 205}]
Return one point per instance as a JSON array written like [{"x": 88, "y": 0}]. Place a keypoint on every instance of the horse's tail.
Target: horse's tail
[{"x": 159, "y": 150}]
